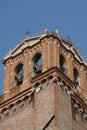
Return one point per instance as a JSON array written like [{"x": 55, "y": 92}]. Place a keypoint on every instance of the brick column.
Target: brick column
[
  {"x": 82, "y": 77},
  {"x": 50, "y": 53},
  {"x": 26, "y": 66},
  {"x": 7, "y": 76},
  {"x": 45, "y": 56},
  {"x": 69, "y": 65},
  {"x": 55, "y": 53}
]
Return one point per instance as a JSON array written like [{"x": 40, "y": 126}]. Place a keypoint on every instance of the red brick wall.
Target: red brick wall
[
  {"x": 44, "y": 107},
  {"x": 20, "y": 120},
  {"x": 48, "y": 102},
  {"x": 64, "y": 111},
  {"x": 78, "y": 123}
]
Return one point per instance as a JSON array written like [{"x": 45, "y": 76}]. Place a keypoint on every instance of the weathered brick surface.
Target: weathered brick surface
[
  {"x": 78, "y": 123},
  {"x": 48, "y": 102},
  {"x": 64, "y": 110},
  {"x": 21, "y": 120},
  {"x": 44, "y": 107}
]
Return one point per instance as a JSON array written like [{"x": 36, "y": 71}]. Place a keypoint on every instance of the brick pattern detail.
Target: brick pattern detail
[
  {"x": 44, "y": 107},
  {"x": 64, "y": 110},
  {"x": 21, "y": 120},
  {"x": 50, "y": 101},
  {"x": 78, "y": 123}
]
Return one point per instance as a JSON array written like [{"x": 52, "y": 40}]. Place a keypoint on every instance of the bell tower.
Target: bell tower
[
  {"x": 32, "y": 57},
  {"x": 44, "y": 85}
]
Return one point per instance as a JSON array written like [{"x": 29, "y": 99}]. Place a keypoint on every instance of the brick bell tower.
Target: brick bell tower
[{"x": 45, "y": 85}]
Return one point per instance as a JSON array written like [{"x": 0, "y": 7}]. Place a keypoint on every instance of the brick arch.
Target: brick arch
[
  {"x": 19, "y": 62},
  {"x": 36, "y": 84},
  {"x": 32, "y": 56},
  {"x": 61, "y": 55},
  {"x": 35, "y": 55},
  {"x": 36, "y": 52},
  {"x": 36, "y": 61},
  {"x": 4, "y": 110},
  {"x": 50, "y": 77},
  {"x": 63, "y": 63},
  {"x": 18, "y": 65},
  {"x": 43, "y": 81},
  {"x": 18, "y": 102},
  {"x": 15, "y": 65},
  {"x": 75, "y": 68},
  {"x": 75, "y": 76},
  {"x": 58, "y": 77},
  {"x": 25, "y": 98},
  {"x": 11, "y": 106},
  {"x": 16, "y": 71}
]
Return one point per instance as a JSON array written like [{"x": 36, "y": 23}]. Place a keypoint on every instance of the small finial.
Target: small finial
[
  {"x": 56, "y": 31},
  {"x": 45, "y": 31},
  {"x": 9, "y": 50},
  {"x": 68, "y": 37},
  {"x": 27, "y": 33}
]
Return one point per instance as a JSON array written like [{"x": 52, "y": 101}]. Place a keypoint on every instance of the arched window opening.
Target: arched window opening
[
  {"x": 37, "y": 64},
  {"x": 62, "y": 64},
  {"x": 18, "y": 74},
  {"x": 75, "y": 77}
]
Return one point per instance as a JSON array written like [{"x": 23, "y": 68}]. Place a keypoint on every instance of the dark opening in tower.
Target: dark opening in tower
[
  {"x": 37, "y": 64},
  {"x": 18, "y": 74},
  {"x": 62, "y": 64}
]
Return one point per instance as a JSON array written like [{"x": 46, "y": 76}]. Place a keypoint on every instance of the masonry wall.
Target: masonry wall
[
  {"x": 44, "y": 108},
  {"x": 19, "y": 120},
  {"x": 63, "y": 110},
  {"x": 78, "y": 123},
  {"x": 33, "y": 116},
  {"x": 51, "y": 109}
]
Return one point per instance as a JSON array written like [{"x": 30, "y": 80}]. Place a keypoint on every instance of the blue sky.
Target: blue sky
[{"x": 19, "y": 16}]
